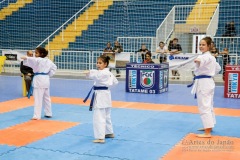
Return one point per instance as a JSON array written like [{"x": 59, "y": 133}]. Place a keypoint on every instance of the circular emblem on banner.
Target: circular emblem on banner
[
  {"x": 147, "y": 78},
  {"x": 147, "y": 81}
]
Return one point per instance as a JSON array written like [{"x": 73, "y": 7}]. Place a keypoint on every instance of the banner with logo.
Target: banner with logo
[
  {"x": 182, "y": 61},
  {"x": 147, "y": 78},
  {"x": 232, "y": 82},
  {"x": 13, "y": 56}
]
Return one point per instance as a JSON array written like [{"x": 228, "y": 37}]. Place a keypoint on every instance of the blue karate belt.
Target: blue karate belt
[
  {"x": 93, "y": 95},
  {"x": 198, "y": 77},
  {"x": 30, "y": 92}
]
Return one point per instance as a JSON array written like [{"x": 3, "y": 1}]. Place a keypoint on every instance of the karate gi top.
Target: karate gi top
[
  {"x": 41, "y": 65},
  {"x": 102, "y": 78},
  {"x": 208, "y": 66}
]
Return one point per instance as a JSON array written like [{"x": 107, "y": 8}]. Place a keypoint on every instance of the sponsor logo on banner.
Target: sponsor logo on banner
[
  {"x": 147, "y": 78},
  {"x": 161, "y": 79},
  {"x": 171, "y": 57},
  {"x": 132, "y": 81},
  {"x": 233, "y": 83},
  {"x": 11, "y": 57},
  {"x": 165, "y": 78}
]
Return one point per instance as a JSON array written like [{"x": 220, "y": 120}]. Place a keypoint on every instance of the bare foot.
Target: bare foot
[
  {"x": 204, "y": 135},
  {"x": 201, "y": 129},
  {"x": 34, "y": 119},
  {"x": 109, "y": 136},
  {"x": 99, "y": 141}
]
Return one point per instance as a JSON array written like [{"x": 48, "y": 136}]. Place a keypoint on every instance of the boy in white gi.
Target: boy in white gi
[
  {"x": 101, "y": 99},
  {"x": 206, "y": 67},
  {"x": 43, "y": 68}
]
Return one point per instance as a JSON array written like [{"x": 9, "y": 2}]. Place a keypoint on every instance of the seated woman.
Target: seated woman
[
  {"x": 162, "y": 50},
  {"x": 108, "y": 49},
  {"x": 148, "y": 58}
]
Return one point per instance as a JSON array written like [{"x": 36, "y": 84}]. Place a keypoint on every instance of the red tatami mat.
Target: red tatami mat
[
  {"x": 214, "y": 148},
  {"x": 28, "y": 132},
  {"x": 24, "y": 102},
  {"x": 16, "y": 104}
]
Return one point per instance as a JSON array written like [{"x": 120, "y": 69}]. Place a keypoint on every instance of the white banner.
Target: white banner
[
  {"x": 182, "y": 61},
  {"x": 118, "y": 60},
  {"x": 13, "y": 56}
]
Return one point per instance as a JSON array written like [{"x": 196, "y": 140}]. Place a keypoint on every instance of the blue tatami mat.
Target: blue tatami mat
[
  {"x": 131, "y": 150},
  {"x": 65, "y": 143},
  {"x": 15, "y": 117},
  {"x": 227, "y": 126},
  {"x": 26, "y": 153},
  {"x": 73, "y": 113},
  {"x": 132, "y": 118},
  {"x": 139, "y": 134},
  {"x": 4, "y": 149}
]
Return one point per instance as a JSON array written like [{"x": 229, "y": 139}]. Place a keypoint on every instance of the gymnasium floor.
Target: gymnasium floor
[{"x": 147, "y": 127}]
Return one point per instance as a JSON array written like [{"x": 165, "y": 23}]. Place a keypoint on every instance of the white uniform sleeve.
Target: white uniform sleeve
[
  {"x": 218, "y": 68},
  {"x": 202, "y": 61},
  {"x": 113, "y": 80},
  {"x": 52, "y": 70},
  {"x": 98, "y": 75},
  {"x": 31, "y": 62},
  {"x": 92, "y": 73}
]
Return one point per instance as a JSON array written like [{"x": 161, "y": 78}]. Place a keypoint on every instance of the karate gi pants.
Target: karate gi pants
[
  {"x": 205, "y": 106},
  {"x": 102, "y": 123},
  {"x": 42, "y": 98}
]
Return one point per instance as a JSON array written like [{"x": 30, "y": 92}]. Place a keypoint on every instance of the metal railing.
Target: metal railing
[
  {"x": 213, "y": 25},
  {"x": 4, "y": 1},
  {"x": 166, "y": 28},
  {"x": 133, "y": 44},
  {"x": 200, "y": 11},
  {"x": 233, "y": 45},
  {"x": 74, "y": 62}
]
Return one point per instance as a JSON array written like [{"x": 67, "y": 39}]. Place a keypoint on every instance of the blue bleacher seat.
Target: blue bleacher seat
[
  {"x": 36, "y": 21},
  {"x": 29, "y": 26}
]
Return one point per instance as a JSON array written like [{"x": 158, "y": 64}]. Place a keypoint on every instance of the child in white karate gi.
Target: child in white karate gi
[
  {"x": 101, "y": 100},
  {"x": 43, "y": 68},
  {"x": 206, "y": 67}
]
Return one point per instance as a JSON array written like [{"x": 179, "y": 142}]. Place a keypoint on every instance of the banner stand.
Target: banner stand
[{"x": 147, "y": 78}]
